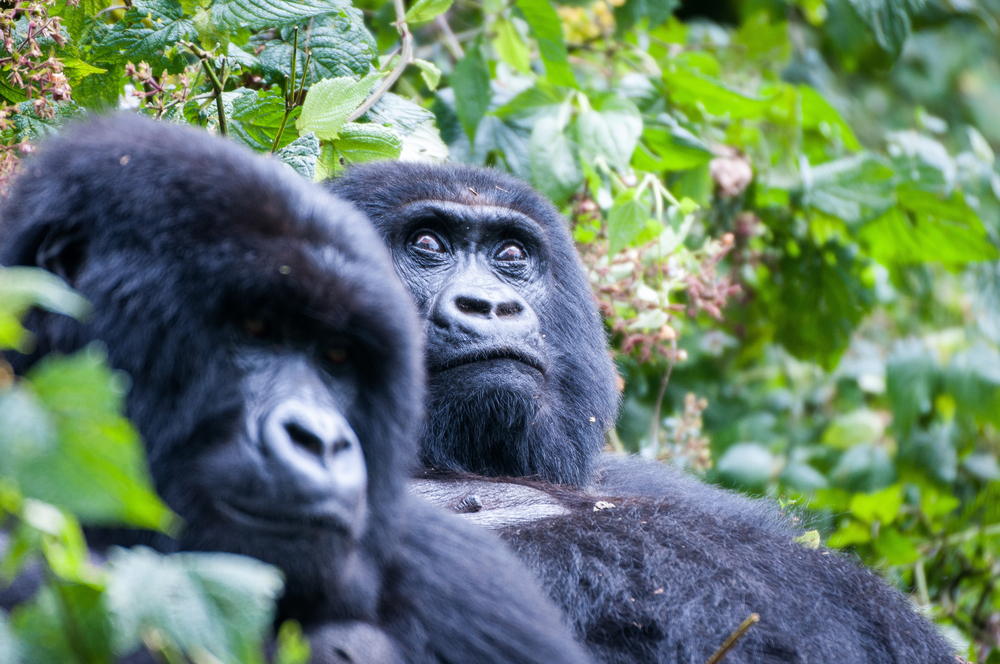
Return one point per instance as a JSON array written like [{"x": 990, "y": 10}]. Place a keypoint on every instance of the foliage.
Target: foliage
[{"x": 789, "y": 210}]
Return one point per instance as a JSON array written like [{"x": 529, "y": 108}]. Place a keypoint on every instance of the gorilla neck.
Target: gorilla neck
[{"x": 504, "y": 431}]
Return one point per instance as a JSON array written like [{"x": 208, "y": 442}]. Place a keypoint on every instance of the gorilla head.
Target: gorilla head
[
  {"x": 520, "y": 383},
  {"x": 238, "y": 298}
]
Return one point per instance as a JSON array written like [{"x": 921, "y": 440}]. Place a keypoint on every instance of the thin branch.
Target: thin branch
[
  {"x": 405, "y": 59},
  {"x": 663, "y": 391},
  {"x": 450, "y": 40},
  {"x": 717, "y": 656},
  {"x": 217, "y": 85}
]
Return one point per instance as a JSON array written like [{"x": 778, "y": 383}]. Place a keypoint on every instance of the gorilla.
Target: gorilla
[
  {"x": 648, "y": 564},
  {"x": 277, "y": 384}
]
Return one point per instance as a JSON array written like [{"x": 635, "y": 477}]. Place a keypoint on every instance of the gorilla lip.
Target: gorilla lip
[
  {"x": 516, "y": 355},
  {"x": 286, "y": 522}
]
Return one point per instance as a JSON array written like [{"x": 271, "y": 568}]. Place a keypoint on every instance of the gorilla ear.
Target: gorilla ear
[{"x": 62, "y": 251}]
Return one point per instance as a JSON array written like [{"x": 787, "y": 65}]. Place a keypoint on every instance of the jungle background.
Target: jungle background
[{"x": 789, "y": 209}]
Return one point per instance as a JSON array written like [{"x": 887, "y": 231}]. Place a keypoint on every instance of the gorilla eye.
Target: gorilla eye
[
  {"x": 255, "y": 327},
  {"x": 512, "y": 252},
  {"x": 337, "y": 355},
  {"x": 427, "y": 242}
]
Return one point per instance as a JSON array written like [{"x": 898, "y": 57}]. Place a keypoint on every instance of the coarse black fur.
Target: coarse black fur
[
  {"x": 650, "y": 565},
  {"x": 238, "y": 296}
]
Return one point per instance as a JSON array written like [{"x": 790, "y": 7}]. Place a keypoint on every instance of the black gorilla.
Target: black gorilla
[
  {"x": 276, "y": 381},
  {"x": 650, "y": 565}
]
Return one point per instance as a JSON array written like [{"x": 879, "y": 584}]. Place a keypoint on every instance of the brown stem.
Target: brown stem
[
  {"x": 405, "y": 59},
  {"x": 717, "y": 656},
  {"x": 663, "y": 391},
  {"x": 450, "y": 40}
]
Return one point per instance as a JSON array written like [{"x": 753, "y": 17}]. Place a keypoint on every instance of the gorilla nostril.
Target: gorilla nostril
[
  {"x": 341, "y": 445},
  {"x": 473, "y": 306},
  {"x": 305, "y": 438},
  {"x": 509, "y": 308}
]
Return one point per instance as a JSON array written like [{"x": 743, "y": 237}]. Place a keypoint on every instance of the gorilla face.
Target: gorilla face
[
  {"x": 520, "y": 381},
  {"x": 276, "y": 400}
]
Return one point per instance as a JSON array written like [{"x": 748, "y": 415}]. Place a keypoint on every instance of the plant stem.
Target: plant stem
[
  {"x": 659, "y": 397},
  {"x": 450, "y": 40},
  {"x": 717, "y": 656},
  {"x": 405, "y": 59}
]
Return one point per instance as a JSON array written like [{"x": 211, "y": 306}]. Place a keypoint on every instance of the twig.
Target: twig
[
  {"x": 405, "y": 59},
  {"x": 113, "y": 8},
  {"x": 663, "y": 390},
  {"x": 206, "y": 66},
  {"x": 717, "y": 656},
  {"x": 450, "y": 40}
]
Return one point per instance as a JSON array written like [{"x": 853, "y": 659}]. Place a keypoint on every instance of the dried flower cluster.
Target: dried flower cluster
[
  {"x": 681, "y": 439},
  {"x": 25, "y": 28},
  {"x": 159, "y": 93}
]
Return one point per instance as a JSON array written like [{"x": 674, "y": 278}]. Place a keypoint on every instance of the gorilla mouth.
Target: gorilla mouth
[
  {"x": 486, "y": 355},
  {"x": 281, "y": 522}
]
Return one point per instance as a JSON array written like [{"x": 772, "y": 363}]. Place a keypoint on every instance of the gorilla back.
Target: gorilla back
[
  {"x": 650, "y": 565},
  {"x": 276, "y": 381}
]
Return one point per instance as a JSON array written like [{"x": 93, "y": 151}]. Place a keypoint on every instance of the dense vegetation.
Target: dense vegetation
[{"x": 790, "y": 210}]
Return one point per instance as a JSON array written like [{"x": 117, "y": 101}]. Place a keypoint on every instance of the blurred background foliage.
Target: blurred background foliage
[{"x": 789, "y": 211}]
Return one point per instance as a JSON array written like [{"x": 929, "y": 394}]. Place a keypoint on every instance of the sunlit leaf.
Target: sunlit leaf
[
  {"x": 554, "y": 170},
  {"x": 547, "y": 27},
  {"x": 509, "y": 45},
  {"x": 425, "y": 10},
  {"x": 257, "y": 14},
  {"x": 471, "y": 83},
  {"x": 330, "y": 102}
]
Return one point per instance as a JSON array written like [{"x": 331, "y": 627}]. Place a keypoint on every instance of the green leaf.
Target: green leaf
[
  {"x": 747, "y": 465},
  {"x": 401, "y": 114},
  {"x": 97, "y": 469},
  {"x": 540, "y": 99},
  {"x": 896, "y": 548},
  {"x": 860, "y": 426},
  {"x": 429, "y": 72},
  {"x": 340, "y": 45},
  {"x": 509, "y": 45},
  {"x": 627, "y": 218},
  {"x": 882, "y": 506},
  {"x": 76, "y": 69},
  {"x": 632, "y": 12},
  {"x": 864, "y": 468},
  {"x": 301, "y": 154},
  {"x": 213, "y": 602},
  {"x": 689, "y": 88},
  {"x": 554, "y": 170},
  {"x": 425, "y": 10},
  {"x": 256, "y": 117},
  {"x": 926, "y": 227},
  {"x": 671, "y": 148},
  {"x": 912, "y": 378},
  {"x": 330, "y": 102},
  {"x": 497, "y": 140},
  {"x": 610, "y": 130},
  {"x": 547, "y": 26},
  {"x": 258, "y": 14},
  {"x": 360, "y": 143},
  {"x": 471, "y": 83},
  {"x": 24, "y": 287},
  {"x": 424, "y": 144},
  {"x": 148, "y": 32},
  {"x": 854, "y": 189},
  {"x": 816, "y": 112},
  {"x": 888, "y": 20}
]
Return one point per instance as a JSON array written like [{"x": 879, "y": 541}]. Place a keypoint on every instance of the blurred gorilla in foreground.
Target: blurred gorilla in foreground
[
  {"x": 277, "y": 383},
  {"x": 649, "y": 565}
]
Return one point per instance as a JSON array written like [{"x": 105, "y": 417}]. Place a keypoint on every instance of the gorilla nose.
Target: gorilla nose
[
  {"x": 485, "y": 312},
  {"x": 482, "y": 306},
  {"x": 315, "y": 445}
]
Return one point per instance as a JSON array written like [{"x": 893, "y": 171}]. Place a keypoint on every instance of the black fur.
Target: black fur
[
  {"x": 663, "y": 568},
  {"x": 186, "y": 246}
]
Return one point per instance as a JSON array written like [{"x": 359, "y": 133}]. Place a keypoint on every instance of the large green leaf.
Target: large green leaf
[
  {"x": 509, "y": 45},
  {"x": 425, "y": 10},
  {"x": 301, "y": 154},
  {"x": 610, "y": 130},
  {"x": 628, "y": 217},
  {"x": 888, "y": 20},
  {"x": 66, "y": 443},
  {"x": 149, "y": 32},
  {"x": 471, "y": 83},
  {"x": 694, "y": 89},
  {"x": 213, "y": 602},
  {"x": 330, "y": 102},
  {"x": 554, "y": 170},
  {"x": 912, "y": 380},
  {"x": 926, "y": 227},
  {"x": 545, "y": 23},
  {"x": 258, "y": 14},
  {"x": 360, "y": 143},
  {"x": 339, "y": 45},
  {"x": 256, "y": 117},
  {"x": 24, "y": 287},
  {"x": 497, "y": 140},
  {"x": 854, "y": 189}
]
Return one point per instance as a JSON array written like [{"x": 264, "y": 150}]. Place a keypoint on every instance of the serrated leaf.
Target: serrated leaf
[
  {"x": 471, "y": 84},
  {"x": 258, "y": 14},
  {"x": 256, "y": 117},
  {"x": 547, "y": 26},
  {"x": 854, "y": 189},
  {"x": 147, "y": 33},
  {"x": 888, "y": 20},
  {"x": 360, "y": 143},
  {"x": 96, "y": 468},
  {"x": 330, "y": 102},
  {"x": 340, "y": 45},
  {"x": 554, "y": 170},
  {"x": 401, "y": 114},
  {"x": 509, "y": 45},
  {"x": 424, "y": 143},
  {"x": 425, "y": 10},
  {"x": 213, "y": 602},
  {"x": 610, "y": 130},
  {"x": 626, "y": 220},
  {"x": 301, "y": 154},
  {"x": 76, "y": 69}
]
